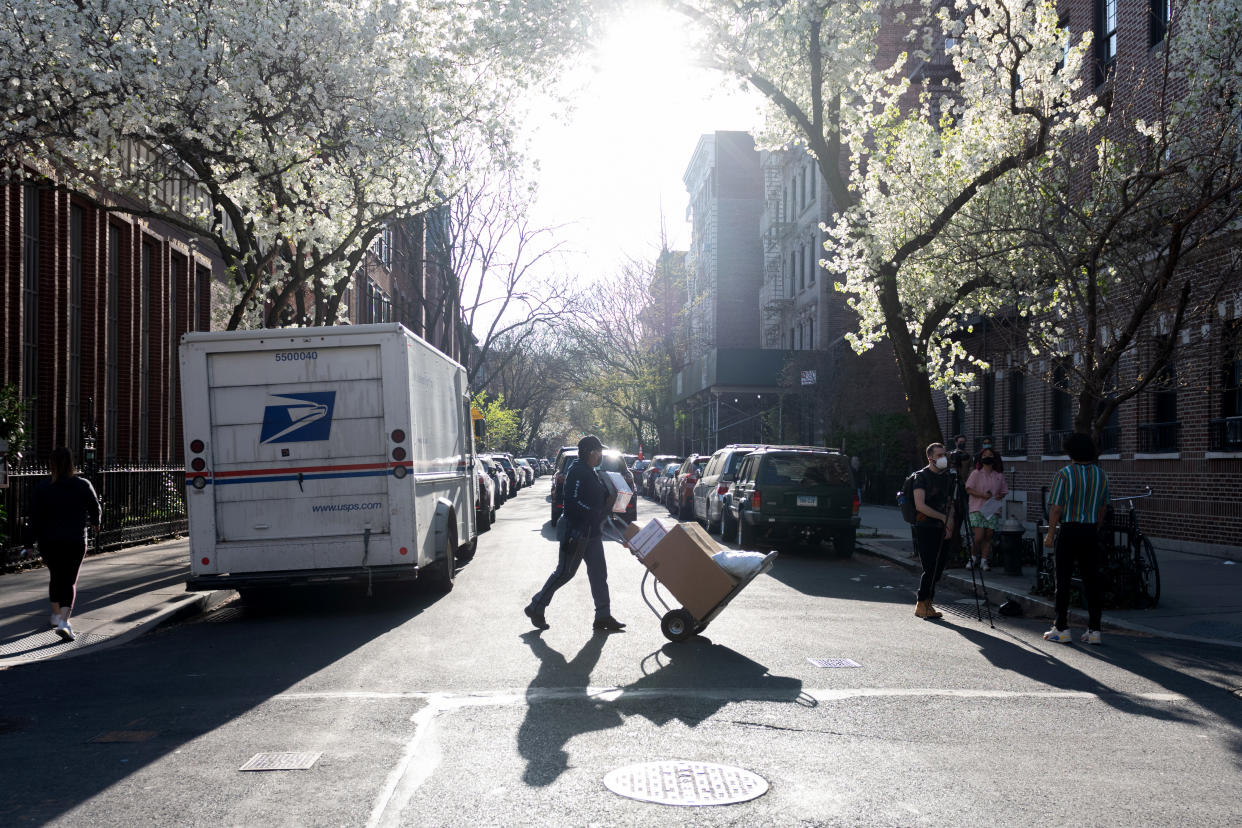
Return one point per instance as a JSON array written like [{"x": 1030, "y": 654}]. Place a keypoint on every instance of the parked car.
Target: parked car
[
  {"x": 680, "y": 501},
  {"x": 533, "y": 462},
  {"x": 712, "y": 494},
  {"x": 658, "y": 464},
  {"x": 485, "y": 503},
  {"x": 515, "y": 478},
  {"x": 795, "y": 494},
  {"x": 499, "y": 477},
  {"x": 566, "y": 456},
  {"x": 545, "y": 466},
  {"x": 665, "y": 480},
  {"x": 614, "y": 461},
  {"x": 528, "y": 473},
  {"x": 638, "y": 468}
]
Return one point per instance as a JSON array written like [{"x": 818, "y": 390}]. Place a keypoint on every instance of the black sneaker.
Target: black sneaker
[
  {"x": 536, "y": 617},
  {"x": 608, "y": 623}
]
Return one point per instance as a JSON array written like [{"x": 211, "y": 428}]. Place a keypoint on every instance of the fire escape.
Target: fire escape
[{"x": 774, "y": 227}]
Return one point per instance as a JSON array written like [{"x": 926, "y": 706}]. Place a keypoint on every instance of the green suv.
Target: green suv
[{"x": 795, "y": 494}]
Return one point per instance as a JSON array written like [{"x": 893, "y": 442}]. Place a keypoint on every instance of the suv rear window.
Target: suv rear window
[{"x": 814, "y": 469}]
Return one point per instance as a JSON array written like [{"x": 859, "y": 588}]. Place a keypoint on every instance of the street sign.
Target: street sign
[{"x": 808, "y": 377}]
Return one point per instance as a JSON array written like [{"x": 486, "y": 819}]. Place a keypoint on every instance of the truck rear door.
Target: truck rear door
[{"x": 297, "y": 445}]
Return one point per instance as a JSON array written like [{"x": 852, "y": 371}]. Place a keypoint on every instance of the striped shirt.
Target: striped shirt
[{"x": 1081, "y": 490}]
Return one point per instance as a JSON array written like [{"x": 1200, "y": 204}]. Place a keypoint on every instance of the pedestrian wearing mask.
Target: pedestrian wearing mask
[
  {"x": 933, "y": 526},
  {"x": 586, "y": 507},
  {"x": 987, "y": 489},
  {"x": 62, "y": 510},
  {"x": 1078, "y": 503}
]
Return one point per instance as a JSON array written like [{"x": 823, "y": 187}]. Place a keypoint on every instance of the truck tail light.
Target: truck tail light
[
  {"x": 723, "y": 488},
  {"x": 857, "y": 503},
  {"x": 756, "y": 499},
  {"x": 398, "y": 435},
  {"x": 197, "y": 446}
]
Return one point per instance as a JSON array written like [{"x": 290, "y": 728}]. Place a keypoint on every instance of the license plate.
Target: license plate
[{"x": 808, "y": 500}]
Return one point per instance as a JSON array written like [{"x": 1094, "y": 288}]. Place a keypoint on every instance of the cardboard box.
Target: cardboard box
[
  {"x": 679, "y": 555},
  {"x": 619, "y": 492}
]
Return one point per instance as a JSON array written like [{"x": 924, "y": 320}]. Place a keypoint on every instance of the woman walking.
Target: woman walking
[
  {"x": 987, "y": 489},
  {"x": 62, "y": 510}
]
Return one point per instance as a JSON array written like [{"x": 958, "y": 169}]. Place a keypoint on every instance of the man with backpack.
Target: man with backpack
[{"x": 930, "y": 493}]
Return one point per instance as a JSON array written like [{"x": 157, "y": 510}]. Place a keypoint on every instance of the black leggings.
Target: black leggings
[
  {"x": 63, "y": 560},
  {"x": 1078, "y": 542},
  {"x": 928, "y": 542}
]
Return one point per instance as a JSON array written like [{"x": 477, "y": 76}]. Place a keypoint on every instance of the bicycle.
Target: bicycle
[
  {"x": 1129, "y": 569},
  {"x": 1130, "y": 565}
]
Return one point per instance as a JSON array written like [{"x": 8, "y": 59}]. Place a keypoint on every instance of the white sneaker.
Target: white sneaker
[
  {"x": 1059, "y": 636},
  {"x": 985, "y": 566},
  {"x": 65, "y": 631},
  {"x": 1091, "y": 637},
  {"x": 970, "y": 563},
  {"x": 55, "y": 619}
]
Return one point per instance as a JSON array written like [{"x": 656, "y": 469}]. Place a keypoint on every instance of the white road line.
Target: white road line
[
  {"x": 422, "y": 755},
  {"x": 468, "y": 698}
]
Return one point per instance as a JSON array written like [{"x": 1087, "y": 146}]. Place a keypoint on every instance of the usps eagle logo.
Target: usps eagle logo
[{"x": 298, "y": 418}]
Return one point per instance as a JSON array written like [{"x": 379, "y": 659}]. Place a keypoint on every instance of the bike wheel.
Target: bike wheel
[{"x": 1149, "y": 571}]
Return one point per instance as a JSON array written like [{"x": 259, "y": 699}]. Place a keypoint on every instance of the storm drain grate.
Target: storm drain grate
[
  {"x": 834, "y": 662},
  {"x": 281, "y": 761},
  {"x": 45, "y": 644},
  {"x": 685, "y": 783},
  {"x": 123, "y": 736}
]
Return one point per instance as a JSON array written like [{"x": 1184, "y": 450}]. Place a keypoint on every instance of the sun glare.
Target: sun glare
[{"x": 612, "y": 163}]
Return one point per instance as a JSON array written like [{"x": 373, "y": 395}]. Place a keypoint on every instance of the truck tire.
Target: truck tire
[
  {"x": 485, "y": 521},
  {"x": 843, "y": 543},
  {"x": 441, "y": 573}
]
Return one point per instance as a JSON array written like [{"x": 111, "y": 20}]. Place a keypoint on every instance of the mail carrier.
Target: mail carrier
[{"x": 325, "y": 454}]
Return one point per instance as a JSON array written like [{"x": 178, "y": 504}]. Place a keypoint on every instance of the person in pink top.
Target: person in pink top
[{"x": 987, "y": 489}]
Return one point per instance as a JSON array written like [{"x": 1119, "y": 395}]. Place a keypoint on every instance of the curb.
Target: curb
[
  {"x": 1033, "y": 606},
  {"x": 188, "y": 606}
]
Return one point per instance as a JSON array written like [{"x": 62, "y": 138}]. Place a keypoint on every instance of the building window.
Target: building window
[
  {"x": 1105, "y": 37},
  {"x": 112, "y": 405},
  {"x": 989, "y": 404},
  {"x": 1062, "y": 404},
  {"x": 1160, "y": 433},
  {"x": 144, "y": 352},
  {"x": 1015, "y": 439},
  {"x": 1160, "y": 13},
  {"x": 175, "y": 269},
  {"x": 957, "y": 415},
  {"x": 30, "y": 310},
  {"x": 75, "y": 324},
  {"x": 810, "y": 333},
  {"x": 793, "y": 272},
  {"x": 383, "y": 247},
  {"x": 812, "y": 264},
  {"x": 801, "y": 267},
  {"x": 792, "y": 345},
  {"x": 1227, "y": 429},
  {"x": 814, "y": 185}
]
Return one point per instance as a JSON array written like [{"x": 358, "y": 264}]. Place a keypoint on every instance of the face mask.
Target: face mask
[{"x": 942, "y": 462}]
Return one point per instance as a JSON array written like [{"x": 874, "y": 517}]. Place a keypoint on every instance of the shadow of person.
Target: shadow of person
[
  {"x": 559, "y": 707},
  {"x": 1007, "y": 651},
  {"x": 690, "y": 682}
]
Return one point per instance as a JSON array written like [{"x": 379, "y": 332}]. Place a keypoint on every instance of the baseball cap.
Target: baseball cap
[{"x": 589, "y": 443}]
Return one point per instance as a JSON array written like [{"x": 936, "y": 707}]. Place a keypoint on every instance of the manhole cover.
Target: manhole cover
[
  {"x": 685, "y": 783},
  {"x": 834, "y": 662},
  {"x": 280, "y": 761}
]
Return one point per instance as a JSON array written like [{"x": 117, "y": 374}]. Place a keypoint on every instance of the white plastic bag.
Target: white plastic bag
[{"x": 740, "y": 565}]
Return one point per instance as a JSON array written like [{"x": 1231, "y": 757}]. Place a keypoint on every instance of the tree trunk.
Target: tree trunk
[{"x": 913, "y": 372}]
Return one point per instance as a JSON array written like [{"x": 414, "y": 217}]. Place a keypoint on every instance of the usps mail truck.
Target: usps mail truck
[{"x": 325, "y": 454}]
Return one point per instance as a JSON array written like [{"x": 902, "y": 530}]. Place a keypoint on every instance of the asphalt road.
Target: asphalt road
[{"x": 451, "y": 711}]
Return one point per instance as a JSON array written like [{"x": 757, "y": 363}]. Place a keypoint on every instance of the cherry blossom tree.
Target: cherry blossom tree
[{"x": 287, "y": 132}]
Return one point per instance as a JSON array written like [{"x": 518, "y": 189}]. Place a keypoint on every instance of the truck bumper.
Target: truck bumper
[{"x": 305, "y": 577}]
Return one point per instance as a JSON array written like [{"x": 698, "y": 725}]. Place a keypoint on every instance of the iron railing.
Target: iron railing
[
  {"x": 140, "y": 503},
  {"x": 1225, "y": 434},
  {"x": 1155, "y": 438},
  {"x": 1014, "y": 444}
]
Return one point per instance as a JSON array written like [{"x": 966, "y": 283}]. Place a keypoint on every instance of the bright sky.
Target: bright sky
[{"x": 613, "y": 163}]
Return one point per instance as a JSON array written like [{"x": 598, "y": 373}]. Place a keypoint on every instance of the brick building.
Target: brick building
[
  {"x": 93, "y": 304},
  {"x": 1182, "y": 436}
]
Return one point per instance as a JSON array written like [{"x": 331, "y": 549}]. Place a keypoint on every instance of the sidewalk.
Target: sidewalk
[
  {"x": 121, "y": 595},
  {"x": 1200, "y": 596}
]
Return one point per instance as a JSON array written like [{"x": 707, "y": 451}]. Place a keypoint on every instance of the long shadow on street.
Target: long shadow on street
[{"x": 688, "y": 682}]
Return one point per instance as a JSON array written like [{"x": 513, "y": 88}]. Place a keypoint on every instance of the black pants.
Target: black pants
[
  {"x": 1078, "y": 542},
  {"x": 928, "y": 539},
  {"x": 63, "y": 560},
  {"x": 572, "y": 553}
]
